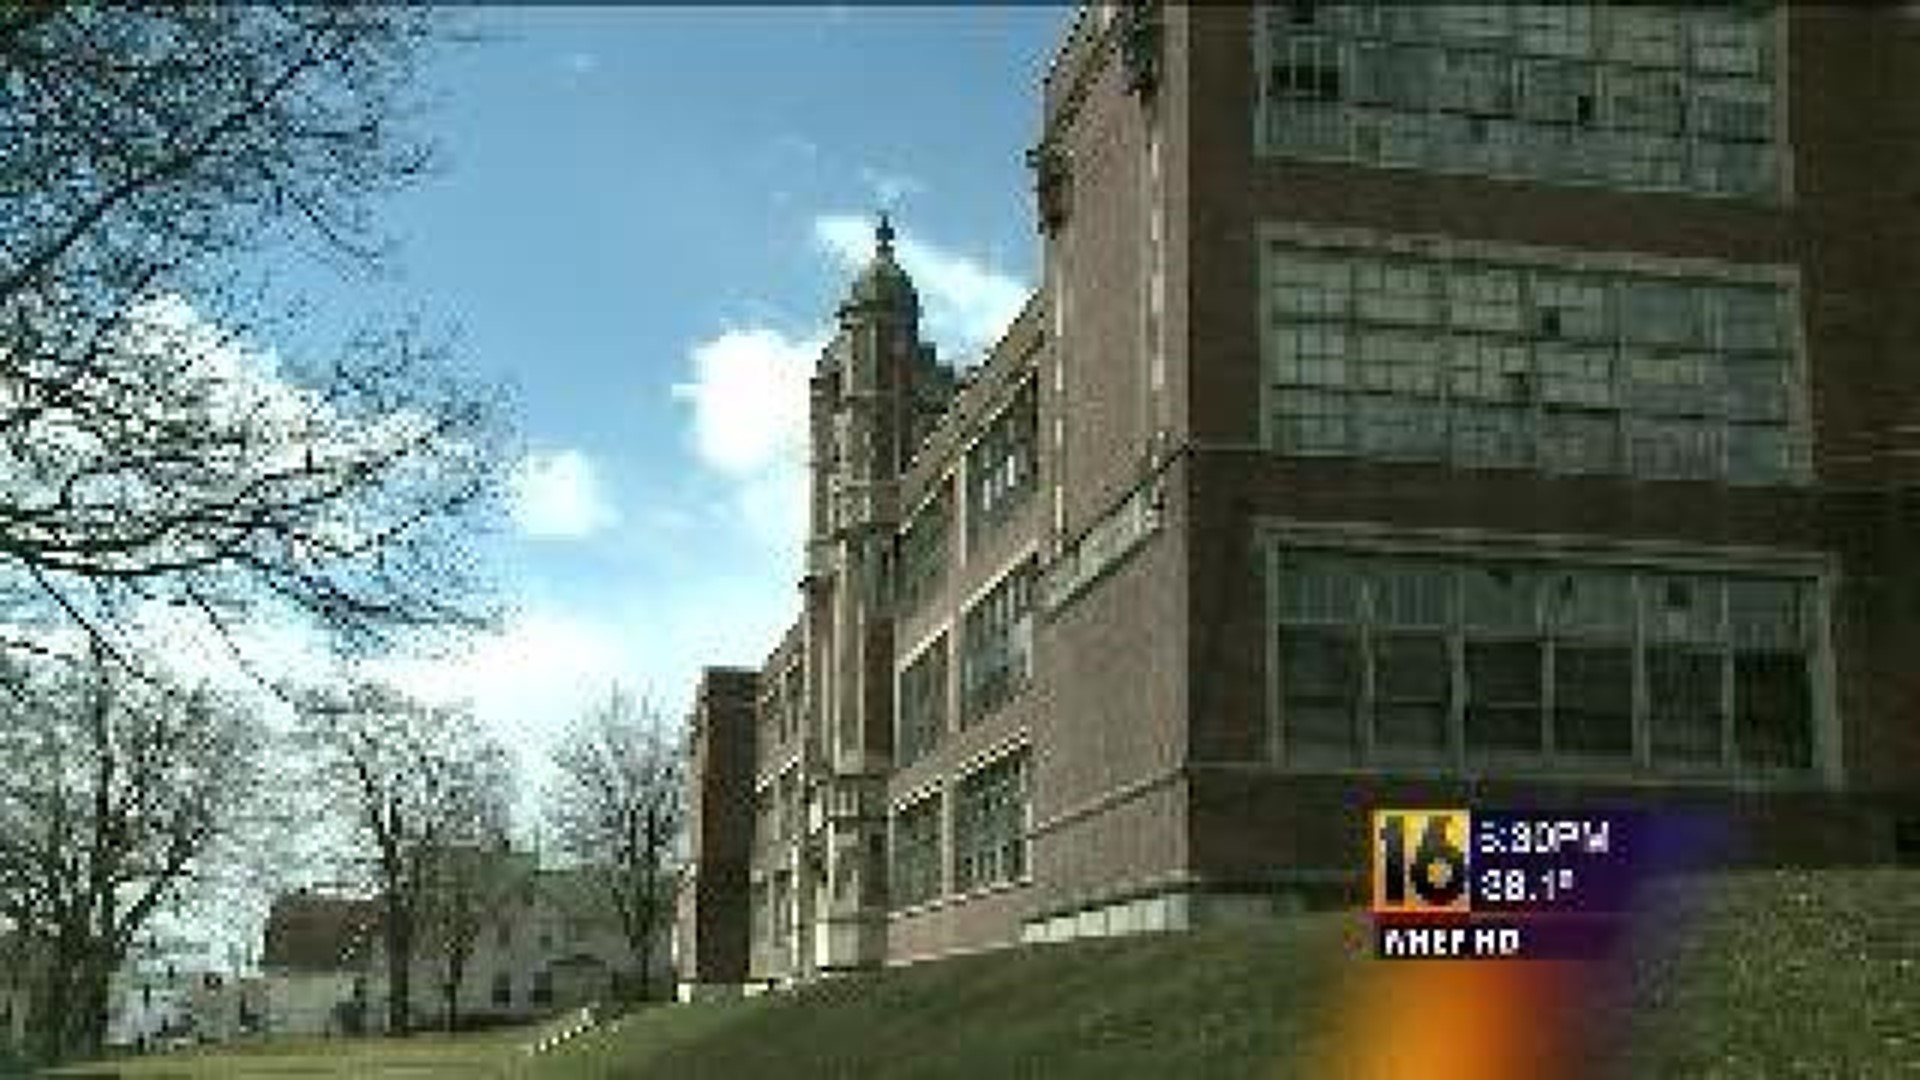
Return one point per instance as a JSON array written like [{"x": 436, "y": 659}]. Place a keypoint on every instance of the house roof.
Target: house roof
[{"x": 311, "y": 932}]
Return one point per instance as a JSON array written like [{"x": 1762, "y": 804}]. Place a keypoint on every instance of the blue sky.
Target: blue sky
[{"x": 646, "y": 218}]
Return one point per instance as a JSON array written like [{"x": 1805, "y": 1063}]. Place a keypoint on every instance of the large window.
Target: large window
[
  {"x": 915, "y": 873},
  {"x": 925, "y": 548},
  {"x": 922, "y": 704},
  {"x": 990, "y": 824},
  {"x": 1490, "y": 361},
  {"x": 997, "y": 650},
  {"x": 1002, "y": 467},
  {"x": 1389, "y": 660},
  {"x": 1629, "y": 95}
]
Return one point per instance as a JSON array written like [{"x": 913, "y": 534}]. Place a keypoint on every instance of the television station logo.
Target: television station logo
[{"x": 1459, "y": 883}]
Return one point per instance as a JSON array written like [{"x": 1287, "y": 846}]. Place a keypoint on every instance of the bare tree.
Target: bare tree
[
  {"x": 146, "y": 450},
  {"x": 115, "y": 796},
  {"x": 415, "y": 781},
  {"x": 474, "y": 876},
  {"x": 617, "y": 807}
]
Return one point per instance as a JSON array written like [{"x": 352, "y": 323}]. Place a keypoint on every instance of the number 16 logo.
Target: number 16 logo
[{"x": 1437, "y": 870}]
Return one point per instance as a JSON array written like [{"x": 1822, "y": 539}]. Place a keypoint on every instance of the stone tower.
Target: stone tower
[{"x": 877, "y": 391}]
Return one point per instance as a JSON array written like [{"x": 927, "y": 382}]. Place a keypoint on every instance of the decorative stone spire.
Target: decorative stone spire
[{"x": 883, "y": 285}]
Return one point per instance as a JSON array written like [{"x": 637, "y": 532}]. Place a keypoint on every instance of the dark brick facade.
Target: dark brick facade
[
  {"x": 713, "y": 897},
  {"x": 1157, "y": 792}
]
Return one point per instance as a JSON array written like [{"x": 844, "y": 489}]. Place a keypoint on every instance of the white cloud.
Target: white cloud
[
  {"x": 748, "y": 393},
  {"x": 967, "y": 302},
  {"x": 557, "y": 494},
  {"x": 549, "y": 663}
]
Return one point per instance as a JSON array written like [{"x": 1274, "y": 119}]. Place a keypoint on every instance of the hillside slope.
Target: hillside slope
[{"x": 1767, "y": 974}]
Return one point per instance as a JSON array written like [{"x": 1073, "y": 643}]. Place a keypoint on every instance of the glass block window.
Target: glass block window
[
  {"x": 1523, "y": 364},
  {"x": 1404, "y": 660},
  {"x": 1626, "y": 94},
  {"x": 1003, "y": 466},
  {"x": 913, "y": 874},
  {"x": 922, "y": 704},
  {"x": 990, "y": 824},
  {"x": 997, "y": 649}
]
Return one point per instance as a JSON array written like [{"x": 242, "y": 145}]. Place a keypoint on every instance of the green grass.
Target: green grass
[
  {"x": 1801, "y": 974},
  {"x": 489, "y": 1054}
]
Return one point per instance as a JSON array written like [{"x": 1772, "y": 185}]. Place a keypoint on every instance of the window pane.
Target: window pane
[
  {"x": 1554, "y": 29},
  {"x": 1398, "y": 291},
  {"x": 1411, "y": 680},
  {"x": 1307, "y": 127},
  {"x": 1748, "y": 318},
  {"x": 1683, "y": 701},
  {"x": 1765, "y": 614},
  {"x": 1570, "y": 307},
  {"x": 1733, "y": 110},
  {"x": 1396, "y": 76},
  {"x": 1756, "y": 389},
  {"x": 1576, "y": 375},
  {"x": 1590, "y": 603},
  {"x": 925, "y": 548},
  {"x": 1002, "y": 467},
  {"x": 1676, "y": 449},
  {"x": 1471, "y": 24},
  {"x": 1319, "y": 693},
  {"x": 1307, "y": 68},
  {"x": 1593, "y": 700},
  {"x": 1397, "y": 427},
  {"x": 1390, "y": 137},
  {"x": 923, "y": 703},
  {"x": 1410, "y": 593},
  {"x": 1773, "y": 726},
  {"x": 1491, "y": 369},
  {"x": 915, "y": 873},
  {"x": 1400, "y": 361},
  {"x": 1311, "y": 421},
  {"x": 1679, "y": 607},
  {"x": 1731, "y": 41},
  {"x": 1319, "y": 588},
  {"x": 1503, "y": 697},
  {"x": 1312, "y": 285},
  {"x": 1484, "y": 298},
  {"x": 998, "y": 647},
  {"x": 1644, "y": 34},
  {"x": 1734, "y": 168},
  {"x": 1500, "y": 599},
  {"x": 1311, "y": 355},
  {"x": 1474, "y": 83},
  {"x": 1580, "y": 442},
  {"x": 1647, "y": 159},
  {"x": 1659, "y": 313},
  {"x": 989, "y": 825},
  {"x": 1491, "y": 436},
  {"x": 1674, "y": 383},
  {"x": 1759, "y": 454}
]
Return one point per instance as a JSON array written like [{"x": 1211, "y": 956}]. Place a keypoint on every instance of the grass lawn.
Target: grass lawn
[{"x": 1801, "y": 974}]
